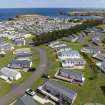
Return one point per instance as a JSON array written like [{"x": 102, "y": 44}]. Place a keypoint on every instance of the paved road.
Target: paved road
[{"x": 18, "y": 91}]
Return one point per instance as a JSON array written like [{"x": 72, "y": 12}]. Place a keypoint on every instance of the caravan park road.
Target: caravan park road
[{"x": 20, "y": 89}]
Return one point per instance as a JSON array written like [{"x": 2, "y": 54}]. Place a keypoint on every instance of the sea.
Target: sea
[{"x": 6, "y": 13}]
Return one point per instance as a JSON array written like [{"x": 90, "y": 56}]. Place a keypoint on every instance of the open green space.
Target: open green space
[
  {"x": 4, "y": 87},
  {"x": 74, "y": 46}
]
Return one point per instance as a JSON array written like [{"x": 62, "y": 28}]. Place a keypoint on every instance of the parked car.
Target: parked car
[
  {"x": 32, "y": 69},
  {"x": 45, "y": 75},
  {"x": 30, "y": 92}
]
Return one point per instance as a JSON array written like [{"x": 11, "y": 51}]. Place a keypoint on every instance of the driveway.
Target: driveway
[{"x": 19, "y": 90}]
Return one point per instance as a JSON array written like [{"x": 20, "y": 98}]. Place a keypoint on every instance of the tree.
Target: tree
[{"x": 50, "y": 36}]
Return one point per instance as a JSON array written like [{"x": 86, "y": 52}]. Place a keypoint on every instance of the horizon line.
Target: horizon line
[{"x": 53, "y": 7}]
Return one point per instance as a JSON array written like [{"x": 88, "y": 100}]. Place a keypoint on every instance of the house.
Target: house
[
  {"x": 19, "y": 41},
  {"x": 71, "y": 38},
  {"x": 27, "y": 35},
  {"x": 101, "y": 65},
  {"x": 51, "y": 44},
  {"x": 2, "y": 52},
  {"x": 23, "y": 55},
  {"x": 68, "y": 54},
  {"x": 6, "y": 47},
  {"x": 96, "y": 41},
  {"x": 74, "y": 38},
  {"x": 90, "y": 50},
  {"x": 22, "y": 50},
  {"x": 99, "y": 56},
  {"x": 58, "y": 46},
  {"x": 25, "y": 100},
  {"x": 63, "y": 49},
  {"x": 75, "y": 63},
  {"x": 10, "y": 74},
  {"x": 58, "y": 93},
  {"x": 70, "y": 75},
  {"x": 20, "y": 64}
]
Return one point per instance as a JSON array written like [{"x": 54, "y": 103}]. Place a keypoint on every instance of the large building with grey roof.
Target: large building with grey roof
[
  {"x": 101, "y": 65},
  {"x": 70, "y": 75},
  {"x": 90, "y": 50},
  {"x": 76, "y": 63},
  {"x": 68, "y": 54},
  {"x": 99, "y": 56},
  {"x": 58, "y": 92},
  {"x": 20, "y": 64}
]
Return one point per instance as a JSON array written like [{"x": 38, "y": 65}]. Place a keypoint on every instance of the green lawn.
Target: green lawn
[
  {"x": 35, "y": 58},
  {"x": 74, "y": 46},
  {"x": 4, "y": 87}
]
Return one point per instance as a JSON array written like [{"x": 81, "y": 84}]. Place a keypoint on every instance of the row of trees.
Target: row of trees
[{"x": 50, "y": 36}]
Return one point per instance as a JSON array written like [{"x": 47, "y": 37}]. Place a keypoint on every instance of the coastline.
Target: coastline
[{"x": 6, "y": 13}]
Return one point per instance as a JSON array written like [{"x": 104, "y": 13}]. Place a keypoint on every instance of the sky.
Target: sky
[{"x": 52, "y": 3}]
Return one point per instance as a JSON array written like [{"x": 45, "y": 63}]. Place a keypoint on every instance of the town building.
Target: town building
[
  {"x": 19, "y": 41},
  {"x": 11, "y": 74},
  {"x": 90, "y": 50},
  {"x": 58, "y": 93},
  {"x": 20, "y": 64},
  {"x": 70, "y": 75},
  {"x": 99, "y": 56},
  {"x": 75, "y": 63},
  {"x": 101, "y": 65},
  {"x": 68, "y": 54}
]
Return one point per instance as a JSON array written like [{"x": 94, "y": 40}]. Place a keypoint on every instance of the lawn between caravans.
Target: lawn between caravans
[
  {"x": 90, "y": 91},
  {"x": 6, "y": 87}
]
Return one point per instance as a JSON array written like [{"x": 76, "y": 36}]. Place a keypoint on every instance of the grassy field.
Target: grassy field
[
  {"x": 74, "y": 46},
  {"x": 4, "y": 87}
]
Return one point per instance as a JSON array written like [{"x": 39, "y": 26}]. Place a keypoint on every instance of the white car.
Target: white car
[{"x": 30, "y": 92}]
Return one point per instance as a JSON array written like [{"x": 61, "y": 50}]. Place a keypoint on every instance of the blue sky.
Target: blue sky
[{"x": 52, "y": 3}]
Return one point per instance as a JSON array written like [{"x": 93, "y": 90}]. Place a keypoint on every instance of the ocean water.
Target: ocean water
[{"x": 53, "y": 12}]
